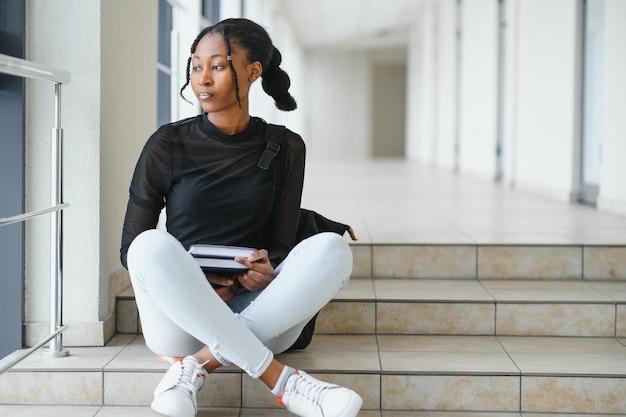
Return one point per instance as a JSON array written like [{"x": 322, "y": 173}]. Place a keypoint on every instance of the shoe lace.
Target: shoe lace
[
  {"x": 310, "y": 391},
  {"x": 188, "y": 375}
]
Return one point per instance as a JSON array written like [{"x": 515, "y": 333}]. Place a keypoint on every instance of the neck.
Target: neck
[{"x": 231, "y": 121}]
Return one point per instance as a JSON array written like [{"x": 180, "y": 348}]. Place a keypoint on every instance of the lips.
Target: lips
[{"x": 204, "y": 95}]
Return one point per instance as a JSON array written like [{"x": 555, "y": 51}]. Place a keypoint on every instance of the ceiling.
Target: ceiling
[{"x": 351, "y": 23}]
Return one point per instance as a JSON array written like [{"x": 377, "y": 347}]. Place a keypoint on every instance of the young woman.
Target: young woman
[{"x": 204, "y": 171}]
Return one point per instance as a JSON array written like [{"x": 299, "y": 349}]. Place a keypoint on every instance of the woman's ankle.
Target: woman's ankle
[{"x": 272, "y": 374}]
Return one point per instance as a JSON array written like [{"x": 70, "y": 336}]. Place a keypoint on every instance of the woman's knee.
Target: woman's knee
[
  {"x": 334, "y": 247},
  {"x": 152, "y": 244}
]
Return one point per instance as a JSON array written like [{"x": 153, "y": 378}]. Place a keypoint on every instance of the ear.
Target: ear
[{"x": 255, "y": 70}]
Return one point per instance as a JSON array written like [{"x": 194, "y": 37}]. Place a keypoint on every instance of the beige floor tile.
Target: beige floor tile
[
  {"x": 148, "y": 412},
  {"x": 421, "y": 237},
  {"x": 443, "y": 363},
  {"x": 519, "y": 238},
  {"x": 562, "y": 345},
  {"x": 369, "y": 413},
  {"x": 314, "y": 359},
  {"x": 79, "y": 359},
  {"x": 47, "y": 411},
  {"x": 430, "y": 290},
  {"x": 569, "y": 415},
  {"x": 439, "y": 344},
  {"x": 620, "y": 326},
  {"x": 570, "y": 364},
  {"x": 361, "y": 259},
  {"x": 443, "y": 392},
  {"x": 441, "y": 261},
  {"x": 127, "y": 412},
  {"x": 127, "y": 293},
  {"x": 325, "y": 343},
  {"x": 573, "y": 395},
  {"x": 357, "y": 289},
  {"x": 136, "y": 389},
  {"x": 130, "y": 388},
  {"x": 544, "y": 262},
  {"x": 221, "y": 390},
  {"x": 127, "y": 316},
  {"x": 136, "y": 356},
  {"x": 436, "y": 318},
  {"x": 567, "y": 356},
  {"x": 556, "y": 320},
  {"x": 605, "y": 262},
  {"x": 264, "y": 412},
  {"x": 540, "y": 291},
  {"x": 51, "y": 388},
  {"x": 359, "y": 192},
  {"x": 344, "y": 317},
  {"x": 446, "y": 414},
  {"x": 614, "y": 290}
]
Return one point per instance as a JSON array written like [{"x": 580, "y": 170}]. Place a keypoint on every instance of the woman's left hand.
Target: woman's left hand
[{"x": 260, "y": 271}]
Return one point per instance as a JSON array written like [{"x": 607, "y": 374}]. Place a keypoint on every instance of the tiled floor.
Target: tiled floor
[
  {"x": 126, "y": 357},
  {"x": 392, "y": 201}
]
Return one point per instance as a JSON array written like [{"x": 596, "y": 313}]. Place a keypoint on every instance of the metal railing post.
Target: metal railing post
[
  {"x": 26, "y": 69},
  {"x": 56, "y": 232}
]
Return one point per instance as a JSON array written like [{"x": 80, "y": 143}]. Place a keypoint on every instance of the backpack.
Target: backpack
[{"x": 310, "y": 222}]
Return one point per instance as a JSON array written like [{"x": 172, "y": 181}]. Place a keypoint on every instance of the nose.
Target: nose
[{"x": 204, "y": 78}]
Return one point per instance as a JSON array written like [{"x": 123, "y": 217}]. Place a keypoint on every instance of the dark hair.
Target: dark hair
[{"x": 257, "y": 45}]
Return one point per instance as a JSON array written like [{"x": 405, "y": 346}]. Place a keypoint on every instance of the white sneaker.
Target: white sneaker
[
  {"x": 175, "y": 396},
  {"x": 306, "y": 396}
]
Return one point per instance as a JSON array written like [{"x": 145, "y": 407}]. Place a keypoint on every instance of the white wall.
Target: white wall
[
  {"x": 446, "y": 84},
  {"x": 478, "y": 95},
  {"x": 269, "y": 15},
  {"x": 541, "y": 102},
  {"x": 612, "y": 195},
  {"x": 388, "y": 109},
  {"x": 546, "y": 97},
  {"x": 109, "y": 102},
  {"x": 128, "y": 117},
  {"x": 338, "y": 102},
  {"x": 49, "y": 43}
]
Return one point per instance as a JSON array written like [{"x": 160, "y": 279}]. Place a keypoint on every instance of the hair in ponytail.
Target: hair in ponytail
[{"x": 257, "y": 45}]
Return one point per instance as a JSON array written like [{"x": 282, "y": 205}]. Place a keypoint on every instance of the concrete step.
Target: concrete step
[
  {"x": 421, "y": 330},
  {"x": 460, "y": 307},
  {"x": 115, "y": 411},
  {"x": 393, "y": 373}
]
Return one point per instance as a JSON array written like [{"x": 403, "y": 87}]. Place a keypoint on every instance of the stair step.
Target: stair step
[
  {"x": 490, "y": 261},
  {"x": 460, "y": 307},
  {"x": 135, "y": 411},
  {"x": 392, "y": 372}
]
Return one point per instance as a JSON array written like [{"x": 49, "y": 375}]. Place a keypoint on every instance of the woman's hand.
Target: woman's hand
[
  {"x": 225, "y": 287},
  {"x": 260, "y": 271}
]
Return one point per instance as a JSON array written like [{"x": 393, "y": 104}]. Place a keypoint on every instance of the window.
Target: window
[
  {"x": 11, "y": 180},
  {"x": 164, "y": 64}
]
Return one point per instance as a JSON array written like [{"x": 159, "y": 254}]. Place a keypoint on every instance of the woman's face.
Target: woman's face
[{"x": 211, "y": 78}]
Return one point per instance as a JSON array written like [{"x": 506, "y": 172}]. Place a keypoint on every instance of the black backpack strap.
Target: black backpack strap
[{"x": 274, "y": 136}]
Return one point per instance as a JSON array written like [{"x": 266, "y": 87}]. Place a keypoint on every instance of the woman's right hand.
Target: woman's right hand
[{"x": 225, "y": 287}]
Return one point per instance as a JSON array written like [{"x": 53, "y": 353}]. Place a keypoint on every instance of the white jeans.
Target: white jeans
[{"x": 180, "y": 312}]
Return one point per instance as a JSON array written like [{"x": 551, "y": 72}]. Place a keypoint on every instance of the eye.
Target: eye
[
  {"x": 217, "y": 67},
  {"x": 196, "y": 69}
]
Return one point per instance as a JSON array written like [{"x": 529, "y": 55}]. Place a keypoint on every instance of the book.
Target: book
[
  {"x": 221, "y": 265},
  {"x": 220, "y": 258},
  {"x": 219, "y": 251}
]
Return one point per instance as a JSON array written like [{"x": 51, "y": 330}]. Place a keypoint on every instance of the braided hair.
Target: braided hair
[{"x": 257, "y": 45}]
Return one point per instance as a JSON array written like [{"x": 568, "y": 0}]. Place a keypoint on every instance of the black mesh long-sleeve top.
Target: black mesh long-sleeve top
[{"x": 213, "y": 190}]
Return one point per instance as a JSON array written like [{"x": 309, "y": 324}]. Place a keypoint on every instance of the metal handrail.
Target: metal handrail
[
  {"x": 25, "y": 216},
  {"x": 26, "y": 69}
]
